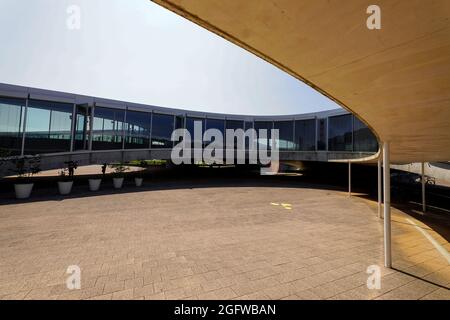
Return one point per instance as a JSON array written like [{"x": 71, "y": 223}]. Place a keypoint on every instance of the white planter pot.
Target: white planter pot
[
  {"x": 23, "y": 190},
  {"x": 118, "y": 182},
  {"x": 65, "y": 187},
  {"x": 94, "y": 184},
  {"x": 138, "y": 181}
]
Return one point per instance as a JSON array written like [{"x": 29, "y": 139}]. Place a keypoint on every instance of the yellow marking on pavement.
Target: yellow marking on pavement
[{"x": 274, "y": 204}]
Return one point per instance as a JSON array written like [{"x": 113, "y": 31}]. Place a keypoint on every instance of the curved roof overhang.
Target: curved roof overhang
[{"x": 396, "y": 79}]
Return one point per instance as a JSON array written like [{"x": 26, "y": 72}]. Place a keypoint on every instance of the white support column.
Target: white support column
[
  {"x": 387, "y": 206},
  {"x": 349, "y": 179},
  {"x": 424, "y": 206},
  {"x": 380, "y": 195}
]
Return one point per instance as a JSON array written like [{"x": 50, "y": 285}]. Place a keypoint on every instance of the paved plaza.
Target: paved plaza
[{"x": 229, "y": 242}]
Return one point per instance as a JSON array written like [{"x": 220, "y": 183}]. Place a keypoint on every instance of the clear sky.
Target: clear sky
[{"x": 134, "y": 50}]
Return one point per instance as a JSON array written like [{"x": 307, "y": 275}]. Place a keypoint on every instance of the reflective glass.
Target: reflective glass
[
  {"x": 137, "y": 130},
  {"x": 108, "y": 128},
  {"x": 285, "y": 134},
  {"x": 162, "y": 128},
  {"x": 48, "y": 127},
  {"x": 340, "y": 133},
  {"x": 305, "y": 135},
  {"x": 11, "y": 124}
]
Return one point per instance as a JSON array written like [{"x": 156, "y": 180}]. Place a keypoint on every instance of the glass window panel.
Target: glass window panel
[
  {"x": 11, "y": 124},
  {"x": 137, "y": 130},
  {"x": 162, "y": 127},
  {"x": 190, "y": 127},
  {"x": 285, "y": 134},
  {"x": 48, "y": 127},
  {"x": 322, "y": 134},
  {"x": 108, "y": 128},
  {"x": 305, "y": 135},
  {"x": 235, "y": 124},
  {"x": 216, "y": 124},
  {"x": 340, "y": 133},
  {"x": 268, "y": 125},
  {"x": 363, "y": 138}
]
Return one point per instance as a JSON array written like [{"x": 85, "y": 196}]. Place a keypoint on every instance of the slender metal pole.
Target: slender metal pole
[
  {"x": 380, "y": 195},
  {"x": 424, "y": 206},
  {"x": 387, "y": 206},
  {"x": 349, "y": 179}
]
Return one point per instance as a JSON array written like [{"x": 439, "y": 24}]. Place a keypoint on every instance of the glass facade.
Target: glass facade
[
  {"x": 137, "y": 130},
  {"x": 82, "y": 127},
  {"x": 162, "y": 128},
  {"x": 108, "y": 128},
  {"x": 321, "y": 134},
  {"x": 268, "y": 125},
  {"x": 216, "y": 124},
  {"x": 363, "y": 139},
  {"x": 340, "y": 133},
  {"x": 190, "y": 127},
  {"x": 285, "y": 134},
  {"x": 11, "y": 126},
  {"x": 48, "y": 127},
  {"x": 305, "y": 135}
]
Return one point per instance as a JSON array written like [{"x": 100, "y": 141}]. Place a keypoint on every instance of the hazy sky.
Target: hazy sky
[{"x": 134, "y": 50}]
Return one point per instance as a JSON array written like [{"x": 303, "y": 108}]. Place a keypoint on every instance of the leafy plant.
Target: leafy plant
[
  {"x": 67, "y": 173},
  {"x": 119, "y": 169},
  {"x": 26, "y": 166}
]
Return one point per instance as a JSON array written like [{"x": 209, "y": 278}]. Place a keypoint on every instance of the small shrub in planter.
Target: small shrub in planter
[
  {"x": 139, "y": 179},
  {"x": 66, "y": 176},
  {"x": 119, "y": 174},
  {"x": 94, "y": 183},
  {"x": 25, "y": 167}
]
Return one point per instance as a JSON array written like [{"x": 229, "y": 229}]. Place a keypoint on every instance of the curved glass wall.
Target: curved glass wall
[
  {"x": 162, "y": 127},
  {"x": 11, "y": 125},
  {"x": 48, "y": 127},
  {"x": 305, "y": 135},
  {"x": 108, "y": 128},
  {"x": 363, "y": 139},
  {"x": 340, "y": 133},
  {"x": 137, "y": 130}
]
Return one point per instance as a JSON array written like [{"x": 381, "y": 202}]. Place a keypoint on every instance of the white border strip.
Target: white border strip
[{"x": 439, "y": 248}]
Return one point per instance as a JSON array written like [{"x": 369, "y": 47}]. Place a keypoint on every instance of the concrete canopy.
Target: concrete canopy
[{"x": 396, "y": 79}]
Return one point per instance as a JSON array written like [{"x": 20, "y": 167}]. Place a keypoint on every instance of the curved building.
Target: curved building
[{"x": 62, "y": 126}]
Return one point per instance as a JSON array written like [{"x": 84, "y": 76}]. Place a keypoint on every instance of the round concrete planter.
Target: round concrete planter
[
  {"x": 23, "y": 190},
  {"x": 94, "y": 184},
  {"x": 65, "y": 187},
  {"x": 118, "y": 182},
  {"x": 138, "y": 181}
]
